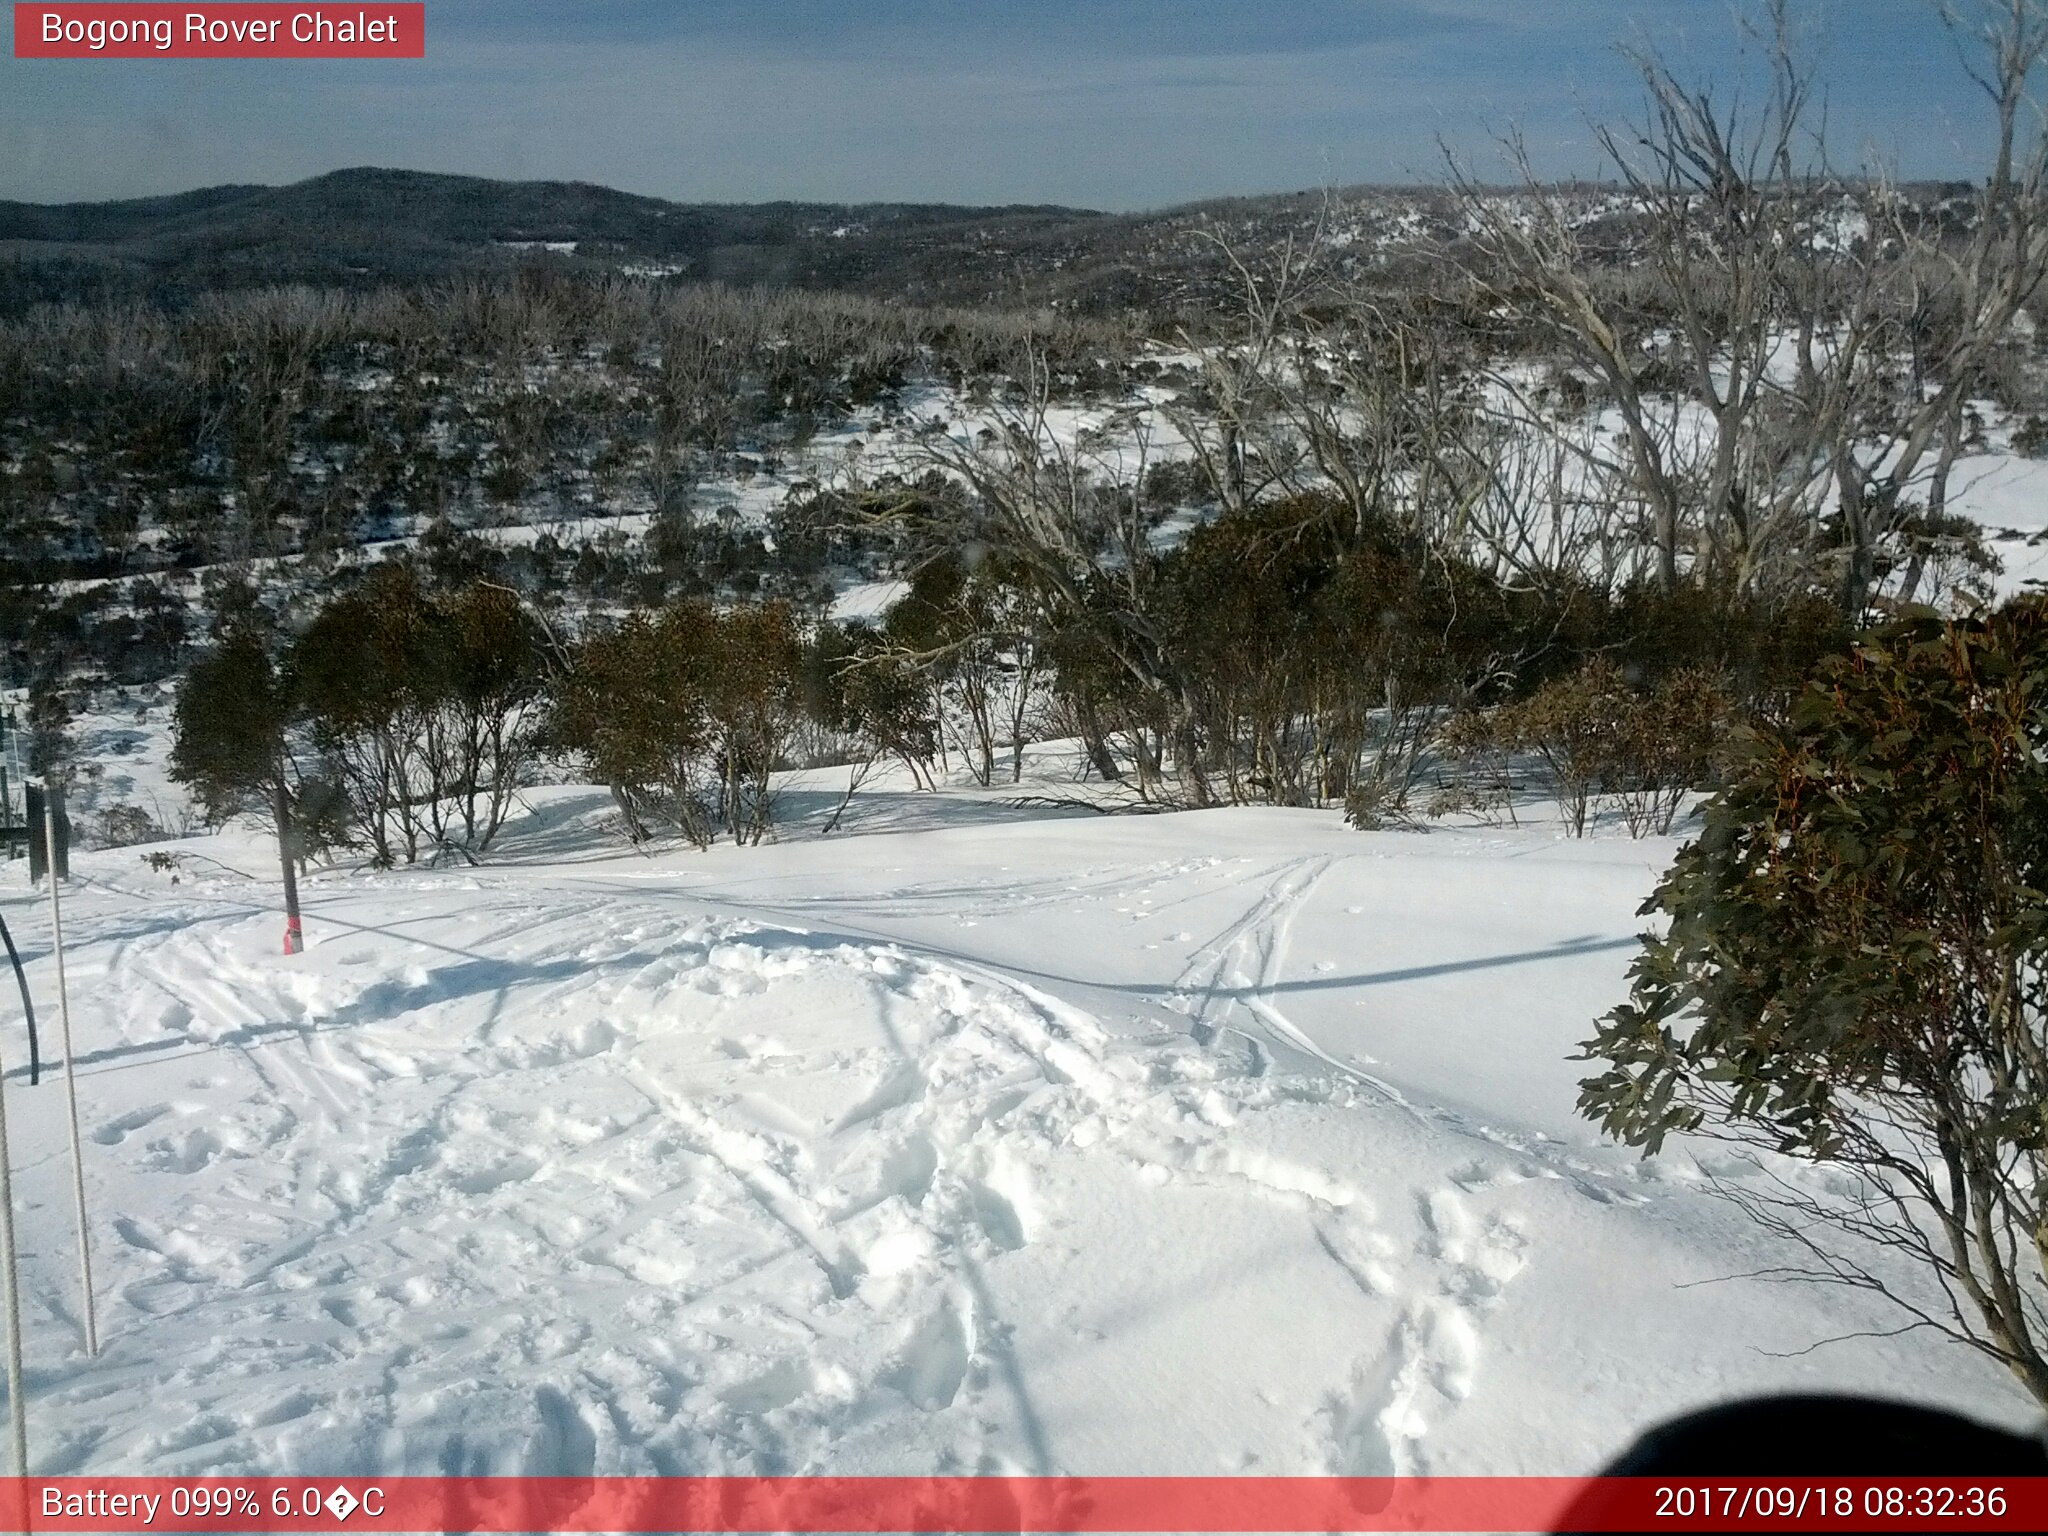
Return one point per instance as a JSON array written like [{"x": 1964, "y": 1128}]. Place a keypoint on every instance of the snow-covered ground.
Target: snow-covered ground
[
  {"x": 980, "y": 1138},
  {"x": 2008, "y": 495}
]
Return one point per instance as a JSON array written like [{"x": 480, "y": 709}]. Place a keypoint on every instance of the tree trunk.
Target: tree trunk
[
  {"x": 1099, "y": 756},
  {"x": 281, "y": 809},
  {"x": 1859, "y": 569}
]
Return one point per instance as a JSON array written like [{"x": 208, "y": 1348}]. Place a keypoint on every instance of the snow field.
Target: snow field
[{"x": 1222, "y": 1142}]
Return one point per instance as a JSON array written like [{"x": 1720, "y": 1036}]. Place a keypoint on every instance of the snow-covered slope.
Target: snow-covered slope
[
  {"x": 2008, "y": 495},
  {"x": 1196, "y": 1143}
]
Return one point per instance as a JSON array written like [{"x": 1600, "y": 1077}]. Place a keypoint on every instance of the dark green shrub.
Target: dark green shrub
[{"x": 1855, "y": 974}]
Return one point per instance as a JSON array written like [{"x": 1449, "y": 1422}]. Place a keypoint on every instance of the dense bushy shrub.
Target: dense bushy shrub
[
  {"x": 974, "y": 629},
  {"x": 424, "y": 707},
  {"x": 125, "y": 826},
  {"x": 1592, "y": 733},
  {"x": 229, "y": 744},
  {"x": 1855, "y": 973},
  {"x": 685, "y": 714},
  {"x": 856, "y": 687},
  {"x": 1317, "y": 656},
  {"x": 634, "y": 707}
]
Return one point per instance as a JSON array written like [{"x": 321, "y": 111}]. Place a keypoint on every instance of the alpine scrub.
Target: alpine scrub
[{"x": 1855, "y": 973}]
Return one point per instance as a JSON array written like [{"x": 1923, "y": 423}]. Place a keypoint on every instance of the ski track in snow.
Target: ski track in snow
[{"x": 1454, "y": 1275}]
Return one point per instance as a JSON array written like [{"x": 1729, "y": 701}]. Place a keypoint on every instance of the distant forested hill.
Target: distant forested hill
[{"x": 368, "y": 226}]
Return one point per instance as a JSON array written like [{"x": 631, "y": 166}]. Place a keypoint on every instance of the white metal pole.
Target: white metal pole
[
  {"x": 17, "y": 1396},
  {"x": 92, "y": 1327}
]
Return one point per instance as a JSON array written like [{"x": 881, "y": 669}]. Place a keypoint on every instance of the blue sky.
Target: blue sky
[{"x": 1118, "y": 104}]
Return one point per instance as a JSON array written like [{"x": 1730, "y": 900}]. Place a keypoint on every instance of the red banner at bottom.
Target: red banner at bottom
[{"x": 1021, "y": 1504}]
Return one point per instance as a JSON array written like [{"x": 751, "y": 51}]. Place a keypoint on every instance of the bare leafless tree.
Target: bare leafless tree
[
  {"x": 1797, "y": 378},
  {"x": 1227, "y": 420},
  {"x": 1064, "y": 509}
]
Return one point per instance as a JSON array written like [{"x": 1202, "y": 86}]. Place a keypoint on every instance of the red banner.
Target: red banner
[
  {"x": 1022, "y": 1504},
  {"x": 266, "y": 31}
]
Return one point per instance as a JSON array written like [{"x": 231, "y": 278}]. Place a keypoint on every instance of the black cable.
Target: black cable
[{"x": 28, "y": 1009}]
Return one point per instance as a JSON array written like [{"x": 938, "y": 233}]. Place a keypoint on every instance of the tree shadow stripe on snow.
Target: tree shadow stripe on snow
[
  {"x": 380, "y": 1001},
  {"x": 1568, "y": 950}
]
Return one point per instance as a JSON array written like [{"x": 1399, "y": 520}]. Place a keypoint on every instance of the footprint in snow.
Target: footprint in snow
[
  {"x": 933, "y": 1365},
  {"x": 119, "y": 1129}
]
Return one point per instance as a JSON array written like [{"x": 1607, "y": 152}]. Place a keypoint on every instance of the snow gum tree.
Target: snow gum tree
[
  {"x": 1855, "y": 975},
  {"x": 753, "y": 667},
  {"x": 973, "y": 624},
  {"x": 428, "y": 708},
  {"x": 1788, "y": 360},
  {"x": 230, "y": 748},
  {"x": 482, "y": 737},
  {"x": 362, "y": 669},
  {"x": 686, "y": 713},
  {"x": 875, "y": 704},
  {"x": 635, "y": 708}
]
